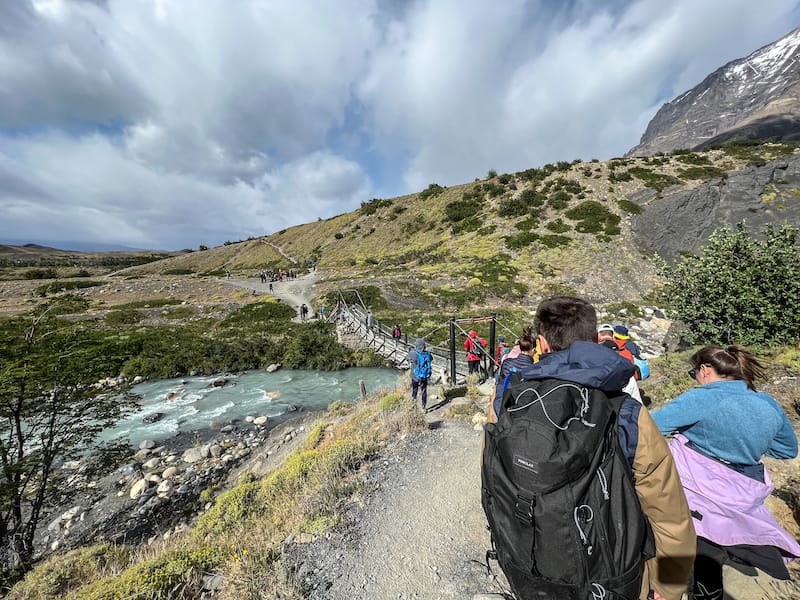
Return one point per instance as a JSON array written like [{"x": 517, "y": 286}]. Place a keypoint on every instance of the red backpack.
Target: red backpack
[{"x": 621, "y": 347}]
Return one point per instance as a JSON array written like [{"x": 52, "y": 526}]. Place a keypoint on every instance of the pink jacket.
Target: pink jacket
[{"x": 728, "y": 507}]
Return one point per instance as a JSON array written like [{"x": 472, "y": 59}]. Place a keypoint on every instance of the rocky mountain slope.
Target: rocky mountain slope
[{"x": 756, "y": 97}]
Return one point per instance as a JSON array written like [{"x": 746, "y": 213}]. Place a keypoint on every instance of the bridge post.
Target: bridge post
[
  {"x": 492, "y": 327},
  {"x": 452, "y": 350}
]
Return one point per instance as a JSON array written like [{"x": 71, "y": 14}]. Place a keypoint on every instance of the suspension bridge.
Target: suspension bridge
[{"x": 449, "y": 361}]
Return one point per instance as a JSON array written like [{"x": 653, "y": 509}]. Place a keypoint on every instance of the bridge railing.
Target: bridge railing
[{"x": 354, "y": 318}]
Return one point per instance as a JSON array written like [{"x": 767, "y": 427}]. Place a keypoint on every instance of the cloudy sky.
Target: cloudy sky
[{"x": 166, "y": 124}]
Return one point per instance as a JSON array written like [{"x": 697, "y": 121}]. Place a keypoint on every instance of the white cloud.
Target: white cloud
[{"x": 168, "y": 124}]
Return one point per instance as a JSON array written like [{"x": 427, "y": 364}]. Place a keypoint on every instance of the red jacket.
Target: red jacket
[{"x": 470, "y": 348}]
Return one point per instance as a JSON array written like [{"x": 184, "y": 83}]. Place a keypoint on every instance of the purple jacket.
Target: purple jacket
[{"x": 728, "y": 507}]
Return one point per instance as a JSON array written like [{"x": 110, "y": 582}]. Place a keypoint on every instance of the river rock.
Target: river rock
[
  {"x": 226, "y": 429},
  {"x": 147, "y": 445},
  {"x": 192, "y": 455},
  {"x": 152, "y": 417},
  {"x": 219, "y": 382},
  {"x": 152, "y": 463},
  {"x": 138, "y": 379},
  {"x": 273, "y": 367},
  {"x": 260, "y": 420},
  {"x": 215, "y": 451},
  {"x": 170, "y": 473},
  {"x": 71, "y": 513},
  {"x": 138, "y": 488},
  {"x": 164, "y": 488},
  {"x": 249, "y": 419}
]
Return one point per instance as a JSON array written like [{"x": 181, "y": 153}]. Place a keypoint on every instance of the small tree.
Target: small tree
[
  {"x": 741, "y": 289},
  {"x": 49, "y": 413}
]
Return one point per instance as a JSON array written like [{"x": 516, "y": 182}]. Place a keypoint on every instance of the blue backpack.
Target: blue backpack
[{"x": 423, "y": 368}]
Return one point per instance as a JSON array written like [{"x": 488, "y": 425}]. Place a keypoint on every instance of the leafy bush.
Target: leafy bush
[
  {"x": 125, "y": 316},
  {"x": 629, "y": 207},
  {"x": 59, "y": 286},
  {"x": 703, "y": 172},
  {"x": 431, "y": 191},
  {"x": 558, "y": 226},
  {"x": 593, "y": 217},
  {"x": 651, "y": 179},
  {"x": 371, "y": 207},
  {"x": 520, "y": 240},
  {"x": 527, "y": 224},
  {"x": 552, "y": 240},
  {"x": 741, "y": 290},
  {"x": 258, "y": 312},
  {"x": 180, "y": 271},
  {"x": 154, "y": 303},
  {"x": 40, "y": 274},
  {"x": 690, "y": 158},
  {"x": 559, "y": 200}
]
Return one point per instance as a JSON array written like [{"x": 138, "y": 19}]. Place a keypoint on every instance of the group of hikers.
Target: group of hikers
[{"x": 590, "y": 496}]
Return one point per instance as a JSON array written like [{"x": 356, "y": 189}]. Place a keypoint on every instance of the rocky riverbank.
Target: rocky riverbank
[{"x": 164, "y": 488}]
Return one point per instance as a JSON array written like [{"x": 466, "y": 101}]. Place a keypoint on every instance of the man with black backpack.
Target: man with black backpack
[{"x": 578, "y": 485}]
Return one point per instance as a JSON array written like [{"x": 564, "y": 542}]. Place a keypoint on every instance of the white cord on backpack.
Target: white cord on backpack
[
  {"x": 598, "y": 591},
  {"x": 584, "y": 539},
  {"x": 540, "y": 398},
  {"x": 603, "y": 482}
]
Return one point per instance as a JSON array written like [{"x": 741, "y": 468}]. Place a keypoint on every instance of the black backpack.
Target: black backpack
[{"x": 559, "y": 497}]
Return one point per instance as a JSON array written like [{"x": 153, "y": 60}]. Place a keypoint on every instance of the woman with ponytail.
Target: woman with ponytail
[{"x": 722, "y": 429}]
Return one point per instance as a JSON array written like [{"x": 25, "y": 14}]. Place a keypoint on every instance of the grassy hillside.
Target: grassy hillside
[{"x": 506, "y": 238}]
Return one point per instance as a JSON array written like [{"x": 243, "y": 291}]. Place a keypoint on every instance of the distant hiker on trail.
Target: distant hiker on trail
[
  {"x": 270, "y": 287},
  {"x": 370, "y": 321},
  {"x": 303, "y": 312},
  {"x": 724, "y": 428},
  {"x": 570, "y": 459},
  {"x": 396, "y": 333},
  {"x": 605, "y": 337},
  {"x": 420, "y": 361},
  {"x": 475, "y": 348},
  {"x": 322, "y": 312}
]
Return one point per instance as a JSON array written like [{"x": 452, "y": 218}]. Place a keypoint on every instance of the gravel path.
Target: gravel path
[
  {"x": 293, "y": 292},
  {"x": 419, "y": 532}
]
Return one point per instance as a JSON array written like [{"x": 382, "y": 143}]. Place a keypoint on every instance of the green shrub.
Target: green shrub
[
  {"x": 651, "y": 179},
  {"x": 558, "y": 226},
  {"x": 527, "y": 224},
  {"x": 154, "y": 303},
  {"x": 593, "y": 217},
  {"x": 702, "y": 172},
  {"x": 520, "y": 240},
  {"x": 371, "y": 207},
  {"x": 62, "y": 574},
  {"x": 431, "y": 191},
  {"x": 629, "y": 207},
  {"x": 690, "y": 158},
  {"x": 462, "y": 209},
  {"x": 125, "y": 316},
  {"x": 40, "y": 274},
  {"x": 554, "y": 240},
  {"x": 62, "y": 286},
  {"x": 181, "y": 271},
  {"x": 741, "y": 290},
  {"x": 180, "y": 312},
  {"x": 258, "y": 312},
  {"x": 559, "y": 200}
]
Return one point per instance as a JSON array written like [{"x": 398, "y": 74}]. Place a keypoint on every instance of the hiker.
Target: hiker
[
  {"x": 550, "y": 512},
  {"x": 396, "y": 333},
  {"x": 475, "y": 348},
  {"x": 303, "y": 311},
  {"x": 605, "y": 337},
  {"x": 526, "y": 347},
  {"x": 370, "y": 321},
  {"x": 322, "y": 312},
  {"x": 622, "y": 334},
  {"x": 724, "y": 428},
  {"x": 420, "y": 361},
  {"x": 502, "y": 348}
]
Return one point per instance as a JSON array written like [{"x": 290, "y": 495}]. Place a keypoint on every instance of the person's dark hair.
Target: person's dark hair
[
  {"x": 526, "y": 343},
  {"x": 562, "y": 320},
  {"x": 737, "y": 362}
]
